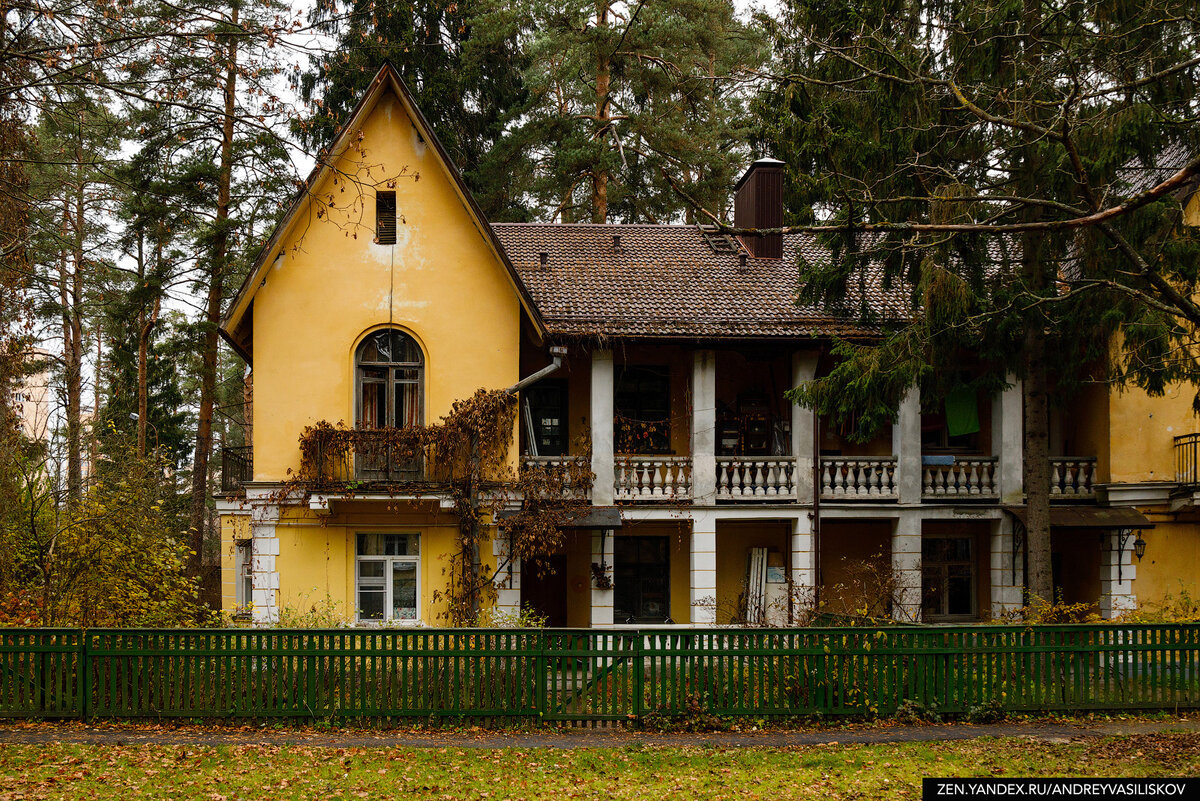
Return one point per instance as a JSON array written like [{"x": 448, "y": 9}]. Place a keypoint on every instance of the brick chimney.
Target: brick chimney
[{"x": 758, "y": 203}]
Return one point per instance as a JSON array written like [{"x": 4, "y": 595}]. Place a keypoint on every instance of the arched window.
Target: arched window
[{"x": 391, "y": 381}]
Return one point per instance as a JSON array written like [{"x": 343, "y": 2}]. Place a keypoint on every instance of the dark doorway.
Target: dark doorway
[
  {"x": 545, "y": 591},
  {"x": 641, "y": 579}
]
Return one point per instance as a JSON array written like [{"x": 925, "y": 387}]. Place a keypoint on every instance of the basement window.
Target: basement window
[{"x": 385, "y": 218}]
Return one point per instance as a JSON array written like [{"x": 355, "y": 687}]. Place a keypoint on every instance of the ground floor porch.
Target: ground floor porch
[{"x": 389, "y": 561}]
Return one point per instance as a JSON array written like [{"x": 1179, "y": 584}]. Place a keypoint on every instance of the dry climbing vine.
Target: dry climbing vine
[{"x": 466, "y": 454}]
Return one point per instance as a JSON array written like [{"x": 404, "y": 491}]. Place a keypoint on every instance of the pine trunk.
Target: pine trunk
[
  {"x": 1040, "y": 581},
  {"x": 212, "y": 316},
  {"x": 603, "y": 72}
]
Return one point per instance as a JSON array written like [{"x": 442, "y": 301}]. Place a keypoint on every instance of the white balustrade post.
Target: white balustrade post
[
  {"x": 704, "y": 427},
  {"x": 906, "y": 444},
  {"x": 804, "y": 368},
  {"x": 602, "y": 600},
  {"x": 602, "y": 427},
  {"x": 906, "y": 565},
  {"x": 1007, "y": 442},
  {"x": 703, "y": 562}
]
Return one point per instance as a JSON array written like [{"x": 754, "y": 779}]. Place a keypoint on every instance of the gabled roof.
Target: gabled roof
[
  {"x": 675, "y": 281},
  {"x": 234, "y": 326}
]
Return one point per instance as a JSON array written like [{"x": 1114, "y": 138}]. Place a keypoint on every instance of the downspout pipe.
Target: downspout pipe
[{"x": 557, "y": 352}]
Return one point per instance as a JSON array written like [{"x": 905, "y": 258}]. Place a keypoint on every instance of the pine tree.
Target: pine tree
[
  {"x": 630, "y": 103},
  {"x": 979, "y": 154},
  {"x": 462, "y": 64}
]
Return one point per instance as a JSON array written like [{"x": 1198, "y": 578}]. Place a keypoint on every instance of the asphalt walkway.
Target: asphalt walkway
[{"x": 45, "y": 733}]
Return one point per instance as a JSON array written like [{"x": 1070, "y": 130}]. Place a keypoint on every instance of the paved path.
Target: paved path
[{"x": 577, "y": 738}]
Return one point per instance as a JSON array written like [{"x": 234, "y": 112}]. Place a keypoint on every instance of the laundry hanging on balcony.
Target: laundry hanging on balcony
[{"x": 962, "y": 412}]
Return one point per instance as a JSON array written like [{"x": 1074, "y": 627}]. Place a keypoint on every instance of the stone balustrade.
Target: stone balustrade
[
  {"x": 866, "y": 477},
  {"x": 756, "y": 478},
  {"x": 652, "y": 478}
]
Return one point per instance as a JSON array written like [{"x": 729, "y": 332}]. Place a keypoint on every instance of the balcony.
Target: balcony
[{"x": 237, "y": 467}]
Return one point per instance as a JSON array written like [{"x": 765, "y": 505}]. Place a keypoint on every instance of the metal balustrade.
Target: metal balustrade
[{"x": 1187, "y": 447}]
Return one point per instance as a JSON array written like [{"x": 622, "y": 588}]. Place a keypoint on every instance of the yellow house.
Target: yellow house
[{"x": 661, "y": 354}]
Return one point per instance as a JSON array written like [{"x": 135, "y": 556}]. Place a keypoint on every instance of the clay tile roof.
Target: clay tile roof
[
  {"x": 1137, "y": 176},
  {"x": 670, "y": 281}
]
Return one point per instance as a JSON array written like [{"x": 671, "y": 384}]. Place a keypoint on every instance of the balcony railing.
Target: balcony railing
[
  {"x": 961, "y": 478},
  {"x": 1072, "y": 477},
  {"x": 653, "y": 478},
  {"x": 765, "y": 478},
  {"x": 364, "y": 456},
  {"x": 1187, "y": 448},
  {"x": 858, "y": 477},
  {"x": 237, "y": 467}
]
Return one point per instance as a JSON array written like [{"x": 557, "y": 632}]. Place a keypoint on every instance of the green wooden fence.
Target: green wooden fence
[{"x": 590, "y": 674}]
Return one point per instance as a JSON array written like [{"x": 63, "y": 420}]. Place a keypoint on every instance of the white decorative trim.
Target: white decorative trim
[{"x": 1136, "y": 493}]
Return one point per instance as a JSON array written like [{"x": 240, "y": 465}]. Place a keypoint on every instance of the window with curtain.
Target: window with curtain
[{"x": 391, "y": 380}]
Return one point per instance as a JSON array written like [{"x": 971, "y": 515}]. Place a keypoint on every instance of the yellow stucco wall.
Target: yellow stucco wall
[
  {"x": 332, "y": 284},
  {"x": 316, "y": 561},
  {"x": 1172, "y": 560},
  {"x": 1142, "y": 431}
]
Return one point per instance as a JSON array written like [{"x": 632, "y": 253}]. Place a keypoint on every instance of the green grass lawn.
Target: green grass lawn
[{"x": 224, "y": 773}]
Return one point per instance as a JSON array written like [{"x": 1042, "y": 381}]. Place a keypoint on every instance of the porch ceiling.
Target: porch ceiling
[{"x": 1089, "y": 516}]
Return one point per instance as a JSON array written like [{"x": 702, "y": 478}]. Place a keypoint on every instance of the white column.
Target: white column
[
  {"x": 1117, "y": 572},
  {"x": 507, "y": 580},
  {"x": 264, "y": 581},
  {"x": 602, "y": 600},
  {"x": 804, "y": 368},
  {"x": 906, "y": 565},
  {"x": 803, "y": 569},
  {"x": 1006, "y": 570},
  {"x": 704, "y": 428},
  {"x": 602, "y": 427},
  {"x": 703, "y": 562},
  {"x": 906, "y": 445},
  {"x": 1007, "y": 441}
]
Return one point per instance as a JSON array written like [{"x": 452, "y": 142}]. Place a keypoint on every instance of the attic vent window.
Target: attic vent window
[{"x": 385, "y": 218}]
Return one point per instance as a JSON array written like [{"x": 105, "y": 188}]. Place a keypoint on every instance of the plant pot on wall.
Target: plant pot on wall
[{"x": 601, "y": 576}]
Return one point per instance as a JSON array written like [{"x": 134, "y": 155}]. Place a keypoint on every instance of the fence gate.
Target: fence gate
[{"x": 592, "y": 675}]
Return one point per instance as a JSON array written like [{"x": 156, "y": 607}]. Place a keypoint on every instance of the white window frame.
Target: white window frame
[
  {"x": 243, "y": 561},
  {"x": 387, "y": 582}
]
